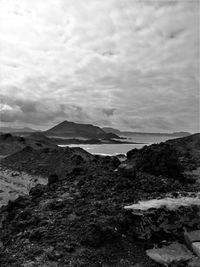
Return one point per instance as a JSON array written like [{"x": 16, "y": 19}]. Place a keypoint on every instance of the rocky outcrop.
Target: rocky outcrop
[
  {"x": 14, "y": 184},
  {"x": 10, "y": 144},
  {"x": 75, "y": 220},
  {"x": 48, "y": 161},
  {"x": 176, "y": 159},
  {"x": 175, "y": 253},
  {"x": 78, "y": 218},
  {"x": 164, "y": 219}
]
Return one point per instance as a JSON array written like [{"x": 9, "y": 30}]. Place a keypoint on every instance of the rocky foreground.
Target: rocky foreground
[{"x": 85, "y": 216}]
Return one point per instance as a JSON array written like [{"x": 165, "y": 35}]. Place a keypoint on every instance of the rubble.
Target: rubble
[{"x": 79, "y": 220}]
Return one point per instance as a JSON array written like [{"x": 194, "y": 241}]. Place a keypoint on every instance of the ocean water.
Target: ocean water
[
  {"x": 108, "y": 149},
  {"x": 114, "y": 149}
]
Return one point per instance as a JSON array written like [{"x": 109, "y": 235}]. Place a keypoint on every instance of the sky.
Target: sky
[{"x": 127, "y": 64}]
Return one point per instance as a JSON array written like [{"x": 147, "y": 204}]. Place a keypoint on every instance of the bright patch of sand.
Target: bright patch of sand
[{"x": 13, "y": 184}]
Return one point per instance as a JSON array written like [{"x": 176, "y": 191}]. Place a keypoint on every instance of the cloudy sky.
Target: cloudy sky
[{"x": 130, "y": 64}]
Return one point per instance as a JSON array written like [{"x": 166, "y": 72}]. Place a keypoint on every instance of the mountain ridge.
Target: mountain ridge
[
  {"x": 127, "y": 133},
  {"x": 80, "y": 216},
  {"x": 73, "y": 129},
  {"x": 16, "y": 130},
  {"x": 10, "y": 144}
]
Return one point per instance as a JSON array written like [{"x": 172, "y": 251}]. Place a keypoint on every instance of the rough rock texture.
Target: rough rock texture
[
  {"x": 13, "y": 184},
  {"x": 10, "y": 144},
  {"x": 191, "y": 237},
  {"x": 173, "y": 159},
  {"x": 78, "y": 219},
  {"x": 162, "y": 223},
  {"x": 174, "y": 253},
  {"x": 196, "y": 248},
  {"x": 195, "y": 262},
  {"x": 48, "y": 161}
]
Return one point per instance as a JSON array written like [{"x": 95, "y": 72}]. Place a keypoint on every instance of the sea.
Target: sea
[{"x": 115, "y": 149}]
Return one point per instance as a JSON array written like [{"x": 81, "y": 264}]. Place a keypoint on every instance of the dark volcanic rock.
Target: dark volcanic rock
[
  {"x": 47, "y": 161},
  {"x": 10, "y": 144},
  {"x": 37, "y": 191},
  {"x": 163, "y": 224},
  {"x": 172, "y": 159},
  {"x": 98, "y": 233},
  {"x": 53, "y": 178},
  {"x": 79, "y": 219},
  {"x": 157, "y": 160}
]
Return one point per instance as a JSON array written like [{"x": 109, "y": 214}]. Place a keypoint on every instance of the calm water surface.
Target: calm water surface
[
  {"x": 113, "y": 149},
  {"x": 108, "y": 149}
]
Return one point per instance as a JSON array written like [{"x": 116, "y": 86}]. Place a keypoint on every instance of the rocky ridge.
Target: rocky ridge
[
  {"x": 10, "y": 144},
  {"x": 79, "y": 218}
]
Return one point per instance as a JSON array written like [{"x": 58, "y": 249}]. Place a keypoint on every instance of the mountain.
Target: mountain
[
  {"x": 129, "y": 133},
  {"x": 72, "y": 129},
  {"x": 111, "y": 130}
]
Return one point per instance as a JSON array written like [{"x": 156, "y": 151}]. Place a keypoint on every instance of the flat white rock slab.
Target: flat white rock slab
[
  {"x": 170, "y": 254},
  {"x": 168, "y": 202},
  {"x": 190, "y": 237},
  {"x": 196, "y": 248}
]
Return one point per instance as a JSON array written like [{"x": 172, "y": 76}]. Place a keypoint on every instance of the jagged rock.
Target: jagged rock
[
  {"x": 174, "y": 253},
  {"x": 191, "y": 237},
  {"x": 196, "y": 248},
  {"x": 53, "y": 178},
  {"x": 37, "y": 234},
  {"x": 37, "y": 191},
  {"x": 46, "y": 204},
  {"x": 127, "y": 170},
  {"x": 85, "y": 223},
  {"x": 96, "y": 234},
  {"x": 194, "y": 262},
  {"x": 1, "y": 245},
  {"x": 158, "y": 219},
  {"x": 159, "y": 159},
  {"x": 20, "y": 202},
  {"x": 65, "y": 196}
]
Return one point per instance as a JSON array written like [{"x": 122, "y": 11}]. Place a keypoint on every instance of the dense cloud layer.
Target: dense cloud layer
[{"x": 130, "y": 64}]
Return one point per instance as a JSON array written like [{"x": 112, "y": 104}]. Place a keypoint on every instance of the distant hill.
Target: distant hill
[
  {"x": 37, "y": 136},
  {"x": 10, "y": 144},
  {"x": 129, "y": 133},
  {"x": 16, "y": 130},
  {"x": 74, "y": 130},
  {"x": 111, "y": 130}
]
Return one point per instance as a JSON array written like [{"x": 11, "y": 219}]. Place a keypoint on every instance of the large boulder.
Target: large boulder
[
  {"x": 196, "y": 248},
  {"x": 174, "y": 253},
  {"x": 159, "y": 159},
  {"x": 191, "y": 237}
]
